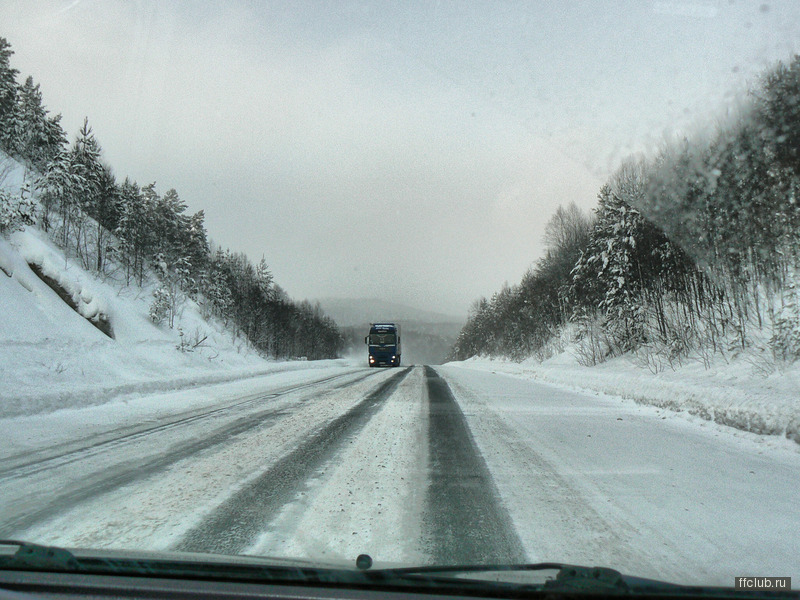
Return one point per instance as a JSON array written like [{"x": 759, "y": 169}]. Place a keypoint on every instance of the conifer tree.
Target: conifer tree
[{"x": 10, "y": 123}]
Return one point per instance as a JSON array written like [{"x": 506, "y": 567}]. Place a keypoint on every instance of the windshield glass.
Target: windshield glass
[{"x": 590, "y": 242}]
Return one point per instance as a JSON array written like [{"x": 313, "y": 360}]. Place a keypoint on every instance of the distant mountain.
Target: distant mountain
[
  {"x": 427, "y": 336},
  {"x": 358, "y": 311}
]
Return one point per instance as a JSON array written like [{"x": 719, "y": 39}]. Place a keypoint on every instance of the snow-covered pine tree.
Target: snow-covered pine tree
[
  {"x": 160, "y": 306},
  {"x": 133, "y": 229},
  {"x": 40, "y": 137},
  {"x": 263, "y": 280},
  {"x": 170, "y": 225},
  {"x": 197, "y": 250},
  {"x": 86, "y": 165},
  {"x": 108, "y": 215},
  {"x": 89, "y": 173},
  {"x": 52, "y": 186},
  {"x": 219, "y": 291},
  {"x": 608, "y": 276},
  {"x": 10, "y": 123},
  {"x": 16, "y": 211}
]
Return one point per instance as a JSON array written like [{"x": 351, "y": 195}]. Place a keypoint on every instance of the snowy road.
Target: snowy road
[
  {"x": 233, "y": 526},
  {"x": 411, "y": 465},
  {"x": 101, "y": 459}
]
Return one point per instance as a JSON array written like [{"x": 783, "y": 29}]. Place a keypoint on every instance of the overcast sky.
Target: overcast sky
[{"x": 406, "y": 150}]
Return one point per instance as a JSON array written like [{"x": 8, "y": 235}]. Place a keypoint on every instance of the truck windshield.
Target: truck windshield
[{"x": 381, "y": 338}]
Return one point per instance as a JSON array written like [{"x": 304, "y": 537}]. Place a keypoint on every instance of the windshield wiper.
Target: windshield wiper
[
  {"x": 490, "y": 580},
  {"x": 588, "y": 579},
  {"x": 34, "y": 556},
  {"x": 37, "y": 557},
  {"x": 571, "y": 578}
]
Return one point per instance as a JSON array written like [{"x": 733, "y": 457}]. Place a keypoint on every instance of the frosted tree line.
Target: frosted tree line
[
  {"x": 691, "y": 254},
  {"x": 134, "y": 233}
]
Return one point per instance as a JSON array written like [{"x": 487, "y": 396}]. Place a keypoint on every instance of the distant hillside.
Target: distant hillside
[{"x": 427, "y": 336}]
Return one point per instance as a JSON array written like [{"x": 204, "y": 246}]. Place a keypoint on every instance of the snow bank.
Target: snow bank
[
  {"x": 73, "y": 286},
  {"x": 733, "y": 394}
]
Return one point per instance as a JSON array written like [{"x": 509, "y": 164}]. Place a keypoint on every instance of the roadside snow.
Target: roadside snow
[
  {"x": 76, "y": 283},
  {"x": 593, "y": 479},
  {"x": 733, "y": 394}
]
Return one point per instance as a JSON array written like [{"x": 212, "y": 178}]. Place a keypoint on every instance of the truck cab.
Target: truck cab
[{"x": 383, "y": 344}]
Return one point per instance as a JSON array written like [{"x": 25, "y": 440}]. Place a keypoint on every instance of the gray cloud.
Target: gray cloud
[{"x": 413, "y": 151}]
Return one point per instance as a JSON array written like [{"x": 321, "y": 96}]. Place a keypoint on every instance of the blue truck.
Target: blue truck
[{"x": 383, "y": 343}]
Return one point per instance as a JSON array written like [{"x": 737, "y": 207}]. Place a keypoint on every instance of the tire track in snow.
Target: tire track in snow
[
  {"x": 464, "y": 518},
  {"x": 236, "y": 523},
  {"x": 29, "y": 463},
  {"x": 128, "y": 471}
]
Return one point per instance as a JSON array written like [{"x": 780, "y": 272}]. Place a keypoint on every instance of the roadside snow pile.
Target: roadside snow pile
[
  {"x": 733, "y": 394},
  {"x": 69, "y": 286}
]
